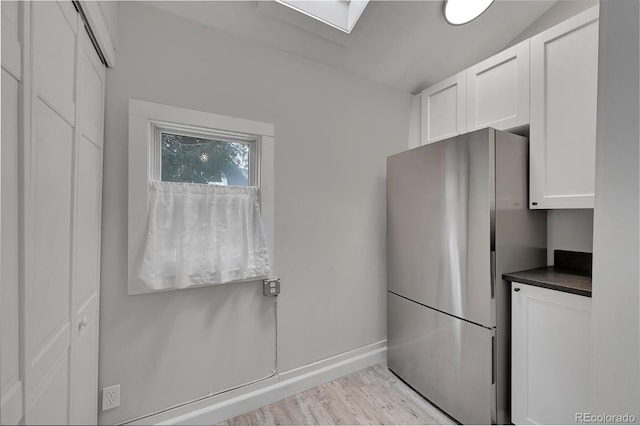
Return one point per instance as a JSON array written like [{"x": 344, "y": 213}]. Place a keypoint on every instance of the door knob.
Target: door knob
[{"x": 83, "y": 323}]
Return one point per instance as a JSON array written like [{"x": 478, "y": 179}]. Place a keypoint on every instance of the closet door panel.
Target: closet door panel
[
  {"x": 49, "y": 405},
  {"x": 91, "y": 75},
  {"x": 84, "y": 365},
  {"x": 54, "y": 53},
  {"x": 11, "y": 383},
  {"x": 88, "y": 205},
  {"x": 48, "y": 182},
  {"x": 87, "y": 231},
  {"x": 52, "y": 222},
  {"x": 47, "y": 328}
]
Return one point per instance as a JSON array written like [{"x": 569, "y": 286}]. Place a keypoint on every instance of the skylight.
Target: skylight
[{"x": 340, "y": 14}]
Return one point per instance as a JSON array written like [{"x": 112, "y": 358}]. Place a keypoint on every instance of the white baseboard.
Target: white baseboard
[{"x": 239, "y": 401}]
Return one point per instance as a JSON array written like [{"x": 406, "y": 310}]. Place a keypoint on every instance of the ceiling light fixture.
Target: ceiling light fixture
[{"x": 459, "y": 12}]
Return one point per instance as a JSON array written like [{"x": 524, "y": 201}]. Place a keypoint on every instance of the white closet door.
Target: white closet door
[
  {"x": 48, "y": 194},
  {"x": 86, "y": 241},
  {"x": 10, "y": 376},
  {"x": 63, "y": 194}
]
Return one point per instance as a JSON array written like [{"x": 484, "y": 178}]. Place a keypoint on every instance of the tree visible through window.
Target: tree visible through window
[{"x": 201, "y": 160}]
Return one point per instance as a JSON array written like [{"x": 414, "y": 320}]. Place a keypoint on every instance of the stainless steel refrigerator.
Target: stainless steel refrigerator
[{"x": 457, "y": 219}]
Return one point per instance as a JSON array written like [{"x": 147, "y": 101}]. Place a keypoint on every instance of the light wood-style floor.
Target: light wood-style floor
[{"x": 373, "y": 396}]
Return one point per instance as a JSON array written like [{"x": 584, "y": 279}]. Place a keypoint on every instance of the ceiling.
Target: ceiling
[{"x": 403, "y": 44}]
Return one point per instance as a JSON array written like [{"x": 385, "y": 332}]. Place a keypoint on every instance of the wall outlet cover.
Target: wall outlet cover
[
  {"x": 110, "y": 397},
  {"x": 271, "y": 287}
]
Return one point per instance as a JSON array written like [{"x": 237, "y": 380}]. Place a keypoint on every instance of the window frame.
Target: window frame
[
  {"x": 145, "y": 157},
  {"x": 159, "y": 127}
]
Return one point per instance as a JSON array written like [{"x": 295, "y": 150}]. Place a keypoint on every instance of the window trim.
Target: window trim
[{"x": 144, "y": 155}]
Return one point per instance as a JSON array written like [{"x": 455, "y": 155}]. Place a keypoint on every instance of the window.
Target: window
[
  {"x": 174, "y": 144},
  {"x": 206, "y": 158}
]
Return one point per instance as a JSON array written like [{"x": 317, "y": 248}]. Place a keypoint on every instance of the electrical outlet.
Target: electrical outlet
[
  {"x": 271, "y": 287},
  {"x": 110, "y": 397}
]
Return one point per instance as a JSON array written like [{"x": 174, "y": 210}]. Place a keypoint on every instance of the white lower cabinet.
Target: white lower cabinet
[{"x": 550, "y": 355}]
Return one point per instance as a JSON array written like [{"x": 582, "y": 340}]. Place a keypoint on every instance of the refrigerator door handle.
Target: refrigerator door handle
[
  {"x": 493, "y": 274},
  {"x": 493, "y": 360},
  {"x": 494, "y": 394}
]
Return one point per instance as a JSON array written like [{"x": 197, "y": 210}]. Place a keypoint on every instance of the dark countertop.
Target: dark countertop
[
  {"x": 571, "y": 273},
  {"x": 555, "y": 278}
]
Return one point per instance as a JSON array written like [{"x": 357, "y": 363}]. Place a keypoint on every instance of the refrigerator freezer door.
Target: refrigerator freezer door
[
  {"x": 447, "y": 360},
  {"x": 440, "y": 200}
]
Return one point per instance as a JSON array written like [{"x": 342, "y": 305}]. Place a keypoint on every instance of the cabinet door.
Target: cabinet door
[
  {"x": 564, "y": 78},
  {"x": 498, "y": 90},
  {"x": 550, "y": 355},
  {"x": 444, "y": 109}
]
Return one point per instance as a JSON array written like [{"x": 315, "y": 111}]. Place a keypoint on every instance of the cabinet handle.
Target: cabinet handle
[
  {"x": 535, "y": 203},
  {"x": 516, "y": 289}
]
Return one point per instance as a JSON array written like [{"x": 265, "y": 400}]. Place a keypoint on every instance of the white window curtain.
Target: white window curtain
[{"x": 203, "y": 235}]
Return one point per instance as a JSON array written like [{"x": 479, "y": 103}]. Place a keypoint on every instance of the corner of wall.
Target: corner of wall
[{"x": 415, "y": 129}]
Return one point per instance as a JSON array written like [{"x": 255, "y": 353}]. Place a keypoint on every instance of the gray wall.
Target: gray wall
[
  {"x": 561, "y": 11},
  {"x": 333, "y": 133},
  {"x": 569, "y": 230},
  {"x": 616, "y": 251}
]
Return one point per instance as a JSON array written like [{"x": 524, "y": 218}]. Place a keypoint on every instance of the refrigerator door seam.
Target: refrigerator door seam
[{"x": 442, "y": 312}]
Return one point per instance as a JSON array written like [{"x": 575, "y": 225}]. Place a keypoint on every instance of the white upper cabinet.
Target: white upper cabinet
[
  {"x": 498, "y": 90},
  {"x": 548, "y": 82},
  {"x": 493, "y": 93},
  {"x": 444, "y": 109},
  {"x": 564, "y": 78}
]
